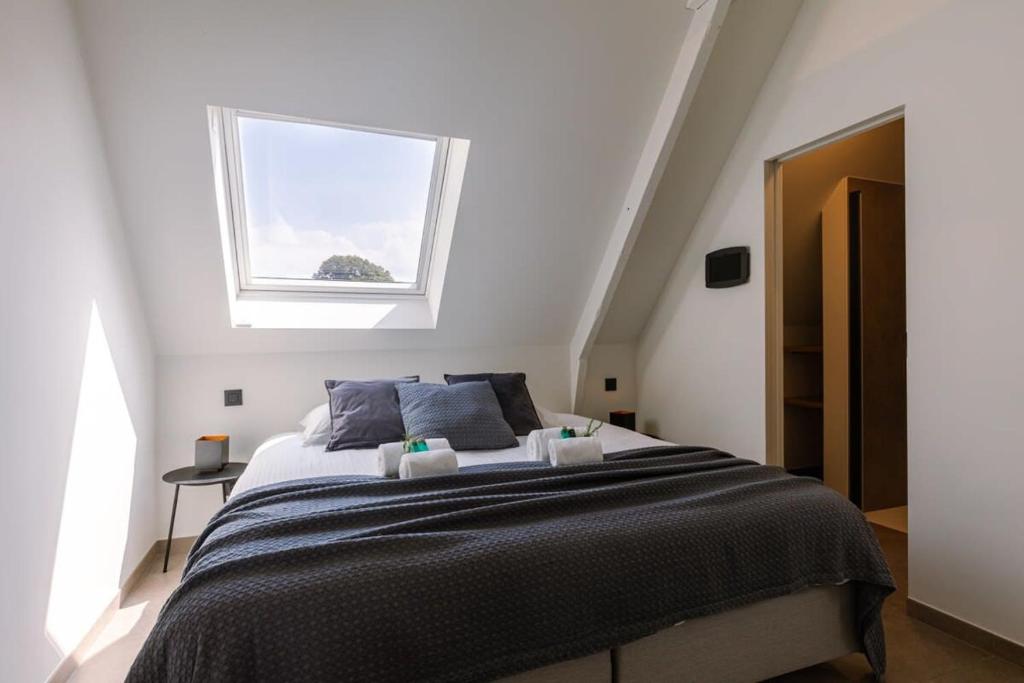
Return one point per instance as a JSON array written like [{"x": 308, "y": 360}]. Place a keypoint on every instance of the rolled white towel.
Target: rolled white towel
[
  {"x": 537, "y": 442},
  {"x": 428, "y": 464},
  {"x": 581, "y": 450},
  {"x": 389, "y": 455}
]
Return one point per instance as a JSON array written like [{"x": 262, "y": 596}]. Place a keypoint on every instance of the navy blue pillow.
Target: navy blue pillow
[
  {"x": 468, "y": 415},
  {"x": 513, "y": 396},
  {"x": 364, "y": 414}
]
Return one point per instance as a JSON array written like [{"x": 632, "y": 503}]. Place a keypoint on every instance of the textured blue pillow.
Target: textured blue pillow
[
  {"x": 466, "y": 414},
  {"x": 513, "y": 397},
  {"x": 364, "y": 414}
]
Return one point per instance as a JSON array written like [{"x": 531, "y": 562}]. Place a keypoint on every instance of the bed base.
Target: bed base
[{"x": 752, "y": 643}]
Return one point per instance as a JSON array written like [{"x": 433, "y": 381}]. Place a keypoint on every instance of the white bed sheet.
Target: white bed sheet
[{"x": 283, "y": 457}]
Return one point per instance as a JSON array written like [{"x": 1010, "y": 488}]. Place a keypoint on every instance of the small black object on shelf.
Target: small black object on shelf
[{"x": 623, "y": 418}]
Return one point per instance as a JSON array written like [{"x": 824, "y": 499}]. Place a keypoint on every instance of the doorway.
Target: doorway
[{"x": 836, "y": 315}]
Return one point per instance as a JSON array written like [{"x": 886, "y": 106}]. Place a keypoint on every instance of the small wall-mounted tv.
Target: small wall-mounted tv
[{"x": 727, "y": 267}]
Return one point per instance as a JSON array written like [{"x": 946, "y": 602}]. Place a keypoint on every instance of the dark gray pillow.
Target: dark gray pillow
[
  {"x": 468, "y": 415},
  {"x": 364, "y": 414},
  {"x": 513, "y": 397}
]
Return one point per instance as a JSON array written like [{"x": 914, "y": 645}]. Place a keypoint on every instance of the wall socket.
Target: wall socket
[
  {"x": 232, "y": 397},
  {"x": 611, "y": 384}
]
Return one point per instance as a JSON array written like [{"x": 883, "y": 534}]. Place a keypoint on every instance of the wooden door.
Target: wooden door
[
  {"x": 835, "y": 334},
  {"x": 883, "y": 350},
  {"x": 864, "y": 343}
]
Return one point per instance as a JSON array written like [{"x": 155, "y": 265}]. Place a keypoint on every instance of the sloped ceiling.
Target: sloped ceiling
[
  {"x": 751, "y": 36},
  {"x": 557, "y": 97}
]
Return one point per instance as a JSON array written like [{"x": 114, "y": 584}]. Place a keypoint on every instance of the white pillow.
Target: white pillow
[
  {"x": 548, "y": 419},
  {"x": 316, "y": 426}
]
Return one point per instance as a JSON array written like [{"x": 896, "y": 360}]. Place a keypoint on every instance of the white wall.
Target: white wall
[
  {"x": 278, "y": 389},
  {"x": 557, "y": 97},
  {"x": 700, "y": 364},
  {"x": 609, "y": 360},
  {"x": 63, "y": 408},
  {"x": 753, "y": 33}
]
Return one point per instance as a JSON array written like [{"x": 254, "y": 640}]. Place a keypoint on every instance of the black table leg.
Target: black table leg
[
  {"x": 170, "y": 531},
  {"x": 224, "y": 490}
]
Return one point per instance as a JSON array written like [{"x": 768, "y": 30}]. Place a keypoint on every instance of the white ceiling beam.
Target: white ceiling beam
[{"x": 682, "y": 86}]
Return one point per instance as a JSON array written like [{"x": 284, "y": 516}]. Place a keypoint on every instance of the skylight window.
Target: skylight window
[
  {"x": 331, "y": 226},
  {"x": 324, "y": 208}
]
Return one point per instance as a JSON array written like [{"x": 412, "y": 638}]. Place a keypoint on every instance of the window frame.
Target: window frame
[{"x": 247, "y": 285}]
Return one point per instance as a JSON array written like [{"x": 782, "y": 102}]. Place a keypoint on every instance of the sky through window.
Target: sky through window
[{"x": 314, "y": 191}]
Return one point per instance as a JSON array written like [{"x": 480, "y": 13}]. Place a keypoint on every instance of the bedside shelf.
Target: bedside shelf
[{"x": 805, "y": 401}]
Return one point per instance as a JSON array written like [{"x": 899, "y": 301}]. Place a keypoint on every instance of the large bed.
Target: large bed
[{"x": 663, "y": 563}]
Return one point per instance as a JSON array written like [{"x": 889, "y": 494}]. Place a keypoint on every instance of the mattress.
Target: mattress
[{"x": 283, "y": 457}]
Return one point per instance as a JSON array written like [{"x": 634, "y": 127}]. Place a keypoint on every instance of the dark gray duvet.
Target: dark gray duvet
[{"x": 486, "y": 573}]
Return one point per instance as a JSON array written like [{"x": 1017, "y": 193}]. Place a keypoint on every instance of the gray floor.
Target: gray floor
[{"x": 917, "y": 652}]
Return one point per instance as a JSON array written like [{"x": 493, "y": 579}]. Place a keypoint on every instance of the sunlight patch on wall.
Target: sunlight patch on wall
[{"x": 97, "y": 498}]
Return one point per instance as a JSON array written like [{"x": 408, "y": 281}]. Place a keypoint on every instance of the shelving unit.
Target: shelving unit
[
  {"x": 806, "y": 401},
  {"x": 805, "y": 348},
  {"x": 814, "y": 471},
  {"x": 803, "y": 403},
  {"x": 836, "y": 295}
]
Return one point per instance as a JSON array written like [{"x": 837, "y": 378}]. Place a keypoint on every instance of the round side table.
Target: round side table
[{"x": 190, "y": 476}]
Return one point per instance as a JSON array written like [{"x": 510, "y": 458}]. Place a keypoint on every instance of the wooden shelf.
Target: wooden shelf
[
  {"x": 814, "y": 471},
  {"x": 805, "y": 401},
  {"x": 807, "y": 348}
]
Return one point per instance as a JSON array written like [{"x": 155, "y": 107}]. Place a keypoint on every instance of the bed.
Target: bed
[{"x": 663, "y": 563}]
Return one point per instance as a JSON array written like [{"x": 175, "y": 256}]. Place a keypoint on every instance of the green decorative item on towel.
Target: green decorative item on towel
[
  {"x": 591, "y": 430},
  {"x": 414, "y": 444}
]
